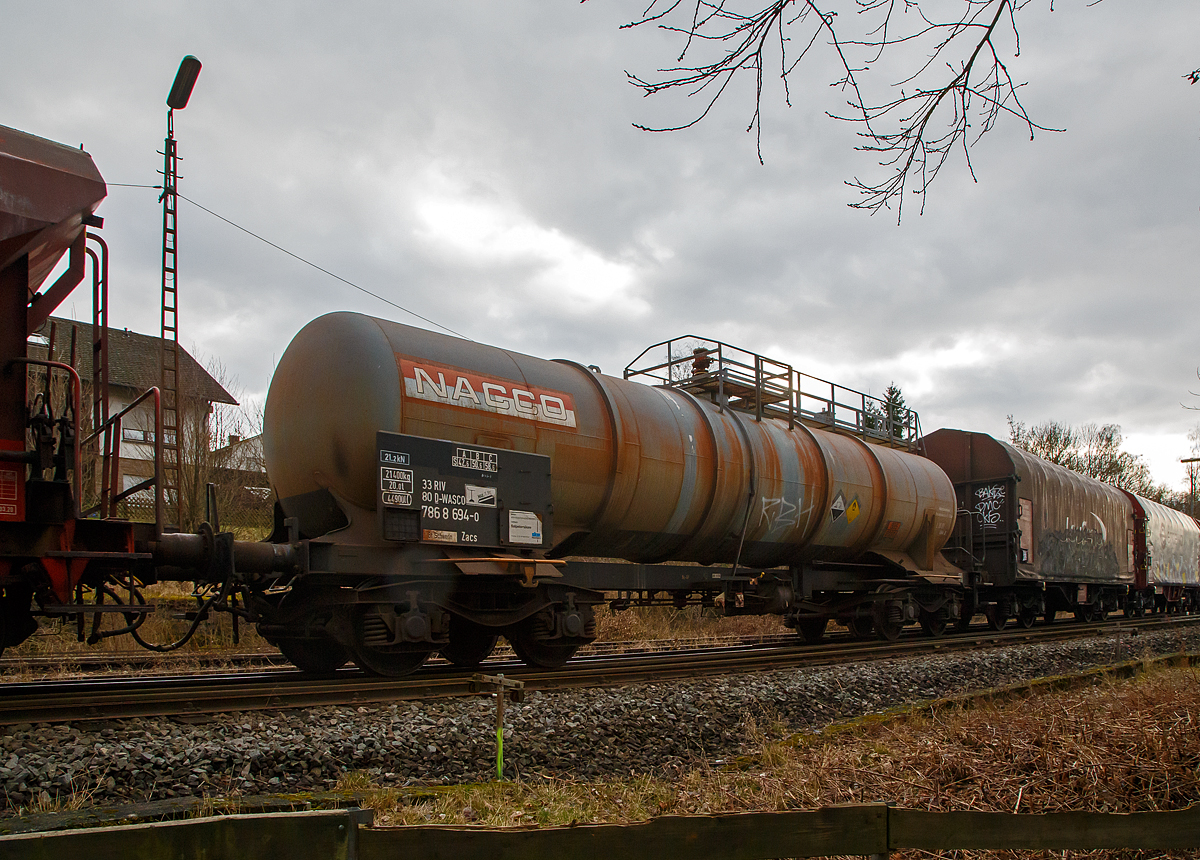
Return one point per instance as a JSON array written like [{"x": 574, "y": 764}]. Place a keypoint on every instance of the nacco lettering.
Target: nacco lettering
[{"x": 426, "y": 381}]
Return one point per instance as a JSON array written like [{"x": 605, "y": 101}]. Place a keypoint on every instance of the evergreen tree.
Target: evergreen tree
[
  {"x": 898, "y": 414},
  {"x": 893, "y": 417}
]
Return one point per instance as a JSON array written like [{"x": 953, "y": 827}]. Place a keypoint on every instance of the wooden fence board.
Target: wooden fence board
[
  {"x": 317, "y": 835},
  {"x": 1054, "y": 831},
  {"x": 858, "y": 829}
]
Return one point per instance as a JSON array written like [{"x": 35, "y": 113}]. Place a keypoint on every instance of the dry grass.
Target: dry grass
[
  {"x": 59, "y": 637},
  {"x": 656, "y": 623},
  {"x": 1120, "y": 746},
  {"x": 81, "y": 795}
]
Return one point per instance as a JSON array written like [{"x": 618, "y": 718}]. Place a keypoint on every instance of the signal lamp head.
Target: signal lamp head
[{"x": 185, "y": 79}]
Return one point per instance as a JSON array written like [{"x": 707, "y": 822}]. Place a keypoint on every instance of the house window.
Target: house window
[
  {"x": 128, "y": 482},
  {"x": 132, "y": 434}
]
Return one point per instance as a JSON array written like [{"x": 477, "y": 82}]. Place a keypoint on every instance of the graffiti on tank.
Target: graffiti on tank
[
  {"x": 779, "y": 514},
  {"x": 989, "y": 505}
]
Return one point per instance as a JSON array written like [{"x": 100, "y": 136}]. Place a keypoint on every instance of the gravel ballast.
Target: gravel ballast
[{"x": 574, "y": 734}]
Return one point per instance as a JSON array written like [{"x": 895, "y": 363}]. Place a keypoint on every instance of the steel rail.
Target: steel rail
[
  {"x": 126, "y": 660},
  {"x": 282, "y": 688},
  {"x": 90, "y": 660}
]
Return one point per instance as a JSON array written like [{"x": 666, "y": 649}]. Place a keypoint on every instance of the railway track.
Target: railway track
[
  {"x": 148, "y": 660},
  {"x": 282, "y": 687}
]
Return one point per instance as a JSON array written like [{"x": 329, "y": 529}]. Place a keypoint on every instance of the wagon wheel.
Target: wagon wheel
[
  {"x": 933, "y": 623},
  {"x": 303, "y": 613},
  {"x": 966, "y": 616},
  {"x": 812, "y": 630},
  {"x": 1085, "y": 613},
  {"x": 390, "y": 661},
  {"x": 889, "y": 620},
  {"x": 1027, "y": 618},
  {"x": 321, "y": 656},
  {"x": 541, "y": 655},
  {"x": 996, "y": 618},
  {"x": 470, "y": 643},
  {"x": 16, "y": 621},
  {"x": 388, "y": 664},
  {"x": 860, "y": 627}
]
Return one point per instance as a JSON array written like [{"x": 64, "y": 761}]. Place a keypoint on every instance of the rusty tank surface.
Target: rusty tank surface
[{"x": 643, "y": 473}]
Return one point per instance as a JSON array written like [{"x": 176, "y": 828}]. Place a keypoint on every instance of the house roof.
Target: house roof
[
  {"x": 133, "y": 360},
  {"x": 244, "y": 454}
]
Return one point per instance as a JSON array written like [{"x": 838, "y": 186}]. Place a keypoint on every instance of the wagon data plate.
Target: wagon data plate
[{"x": 435, "y": 491}]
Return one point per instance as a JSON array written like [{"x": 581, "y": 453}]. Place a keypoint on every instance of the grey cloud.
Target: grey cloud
[{"x": 319, "y": 127}]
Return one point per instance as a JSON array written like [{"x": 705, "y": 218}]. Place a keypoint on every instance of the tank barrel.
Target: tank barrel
[{"x": 638, "y": 472}]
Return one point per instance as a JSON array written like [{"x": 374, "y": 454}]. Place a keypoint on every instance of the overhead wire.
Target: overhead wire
[
  {"x": 296, "y": 256},
  {"x": 321, "y": 269}
]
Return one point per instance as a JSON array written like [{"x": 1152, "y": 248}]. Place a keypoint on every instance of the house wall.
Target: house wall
[{"x": 137, "y": 434}]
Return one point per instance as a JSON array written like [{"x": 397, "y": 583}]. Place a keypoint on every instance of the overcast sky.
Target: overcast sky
[{"x": 476, "y": 163}]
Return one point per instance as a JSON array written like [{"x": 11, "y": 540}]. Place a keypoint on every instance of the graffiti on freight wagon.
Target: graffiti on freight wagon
[
  {"x": 989, "y": 505},
  {"x": 1079, "y": 552}
]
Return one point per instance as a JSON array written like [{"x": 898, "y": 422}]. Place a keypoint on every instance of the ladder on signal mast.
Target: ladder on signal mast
[{"x": 169, "y": 379}]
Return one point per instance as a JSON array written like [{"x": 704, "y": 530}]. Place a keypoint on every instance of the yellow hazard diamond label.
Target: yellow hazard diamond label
[{"x": 852, "y": 511}]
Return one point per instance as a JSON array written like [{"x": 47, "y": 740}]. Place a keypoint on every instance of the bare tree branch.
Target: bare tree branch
[
  {"x": 1193, "y": 393},
  {"x": 961, "y": 86},
  {"x": 1094, "y": 451}
]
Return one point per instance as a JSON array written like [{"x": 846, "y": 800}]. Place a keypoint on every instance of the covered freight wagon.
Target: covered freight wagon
[
  {"x": 1166, "y": 559},
  {"x": 1034, "y": 537}
]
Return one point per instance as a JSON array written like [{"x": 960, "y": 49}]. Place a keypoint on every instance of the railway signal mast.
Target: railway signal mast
[
  {"x": 1191, "y": 464},
  {"x": 177, "y": 99}
]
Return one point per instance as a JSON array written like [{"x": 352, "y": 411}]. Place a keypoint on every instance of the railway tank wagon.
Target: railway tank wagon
[
  {"x": 1034, "y": 538},
  {"x": 705, "y": 470},
  {"x": 436, "y": 493},
  {"x": 1166, "y": 559}
]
